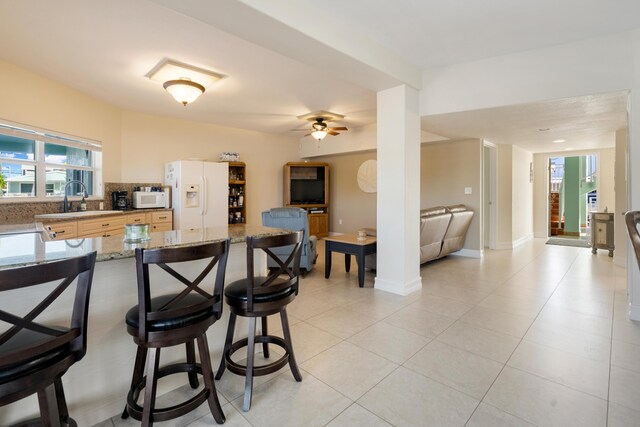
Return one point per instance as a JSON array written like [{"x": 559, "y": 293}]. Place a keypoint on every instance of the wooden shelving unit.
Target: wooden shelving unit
[
  {"x": 237, "y": 193},
  {"x": 317, "y": 175}
]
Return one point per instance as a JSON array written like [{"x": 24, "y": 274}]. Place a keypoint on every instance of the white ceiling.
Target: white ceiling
[
  {"x": 432, "y": 33},
  {"x": 586, "y": 122},
  {"x": 104, "y": 49}
]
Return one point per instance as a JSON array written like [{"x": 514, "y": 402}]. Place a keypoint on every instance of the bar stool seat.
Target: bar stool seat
[
  {"x": 26, "y": 339},
  {"x": 132, "y": 318},
  {"x": 237, "y": 292}
]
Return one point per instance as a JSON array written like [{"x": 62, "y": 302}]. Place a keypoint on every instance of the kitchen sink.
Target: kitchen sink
[{"x": 81, "y": 214}]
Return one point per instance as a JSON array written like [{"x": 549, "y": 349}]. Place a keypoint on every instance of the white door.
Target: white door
[{"x": 216, "y": 192}]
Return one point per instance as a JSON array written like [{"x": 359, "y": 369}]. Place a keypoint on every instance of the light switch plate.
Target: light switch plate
[{"x": 467, "y": 190}]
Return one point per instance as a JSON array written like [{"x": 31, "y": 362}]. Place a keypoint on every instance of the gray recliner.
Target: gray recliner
[{"x": 292, "y": 219}]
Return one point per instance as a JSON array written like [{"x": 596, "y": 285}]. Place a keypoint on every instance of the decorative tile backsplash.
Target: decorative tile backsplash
[{"x": 23, "y": 213}]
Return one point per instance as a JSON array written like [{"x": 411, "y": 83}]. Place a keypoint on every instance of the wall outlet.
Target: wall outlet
[
  {"x": 101, "y": 206},
  {"x": 467, "y": 190},
  {"x": 340, "y": 221}
]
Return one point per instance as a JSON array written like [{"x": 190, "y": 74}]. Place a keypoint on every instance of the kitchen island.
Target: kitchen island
[{"x": 96, "y": 387}]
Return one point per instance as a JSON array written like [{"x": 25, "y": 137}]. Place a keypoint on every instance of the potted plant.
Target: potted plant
[{"x": 2, "y": 185}]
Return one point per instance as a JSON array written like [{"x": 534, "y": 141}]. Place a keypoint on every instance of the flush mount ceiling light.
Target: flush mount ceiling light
[
  {"x": 184, "y": 90},
  {"x": 183, "y": 81},
  {"x": 559, "y": 141}
]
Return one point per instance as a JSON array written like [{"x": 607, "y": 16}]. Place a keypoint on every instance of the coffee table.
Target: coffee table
[{"x": 348, "y": 244}]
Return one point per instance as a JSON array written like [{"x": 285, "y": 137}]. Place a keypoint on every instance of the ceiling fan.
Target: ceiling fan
[{"x": 319, "y": 128}]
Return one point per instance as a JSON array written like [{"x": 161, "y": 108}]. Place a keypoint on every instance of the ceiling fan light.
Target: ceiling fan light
[
  {"x": 184, "y": 90},
  {"x": 319, "y": 134}
]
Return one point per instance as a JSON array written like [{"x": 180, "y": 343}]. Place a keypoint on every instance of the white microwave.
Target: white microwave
[{"x": 149, "y": 199}]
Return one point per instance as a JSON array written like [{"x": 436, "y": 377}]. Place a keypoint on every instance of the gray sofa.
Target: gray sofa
[{"x": 442, "y": 231}]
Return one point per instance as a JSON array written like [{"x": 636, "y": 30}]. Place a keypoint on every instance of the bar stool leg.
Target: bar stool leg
[
  {"x": 191, "y": 359},
  {"x": 138, "y": 373},
  {"x": 248, "y": 387},
  {"x": 265, "y": 346},
  {"x": 150, "y": 387},
  {"x": 49, "y": 406},
  {"x": 287, "y": 340},
  {"x": 227, "y": 345},
  {"x": 62, "y": 402},
  {"x": 207, "y": 374}
]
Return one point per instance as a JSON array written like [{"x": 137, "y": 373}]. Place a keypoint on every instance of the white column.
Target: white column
[
  {"x": 398, "y": 259},
  {"x": 633, "y": 182}
]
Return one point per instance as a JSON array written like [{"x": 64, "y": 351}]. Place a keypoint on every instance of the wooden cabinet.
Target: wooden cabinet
[
  {"x": 237, "y": 193},
  {"x": 111, "y": 225},
  {"x": 306, "y": 185},
  {"x": 160, "y": 221},
  {"x": 63, "y": 230},
  {"x": 319, "y": 224},
  {"x": 138, "y": 218},
  {"x": 104, "y": 227}
]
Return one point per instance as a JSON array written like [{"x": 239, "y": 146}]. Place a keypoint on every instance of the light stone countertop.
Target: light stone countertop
[{"x": 30, "y": 245}]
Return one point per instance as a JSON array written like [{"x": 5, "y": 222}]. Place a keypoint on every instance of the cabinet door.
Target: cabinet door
[
  {"x": 161, "y": 226},
  {"x": 64, "y": 230},
  {"x": 164, "y": 216},
  {"x": 136, "y": 218},
  {"x": 319, "y": 225},
  {"x": 90, "y": 227}
]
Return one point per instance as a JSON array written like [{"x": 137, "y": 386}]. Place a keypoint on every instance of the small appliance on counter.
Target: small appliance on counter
[
  {"x": 149, "y": 199},
  {"x": 120, "y": 200}
]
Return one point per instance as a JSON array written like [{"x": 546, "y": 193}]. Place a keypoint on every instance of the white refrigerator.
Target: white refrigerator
[{"x": 199, "y": 193}]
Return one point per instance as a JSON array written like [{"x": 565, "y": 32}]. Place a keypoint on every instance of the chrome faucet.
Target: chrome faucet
[{"x": 65, "y": 207}]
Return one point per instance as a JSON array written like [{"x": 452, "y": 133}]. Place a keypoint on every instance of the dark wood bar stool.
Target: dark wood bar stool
[
  {"x": 259, "y": 297},
  {"x": 33, "y": 355},
  {"x": 174, "y": 319}
]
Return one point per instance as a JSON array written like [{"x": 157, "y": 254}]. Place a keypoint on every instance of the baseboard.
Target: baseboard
[
  {"x": 522, "y": 240},
  {"x": 504, "y": 245},
  {"x": 469, "y": 253},
  {"x": 396, "y": 288}
]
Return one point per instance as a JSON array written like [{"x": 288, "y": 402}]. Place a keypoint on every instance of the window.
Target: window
[{"x": 38, "y": 164}]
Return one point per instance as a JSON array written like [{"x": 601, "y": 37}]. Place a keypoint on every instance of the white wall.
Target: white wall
[
  {"x": 347, "y": 202},
  {"x": 446, "y": 169},
  {"x": 352, "y": 141},
  {"x": 30, "y": 99},
  {"x": 522, "y": 195},
  {"x": 148, "y": 142}
]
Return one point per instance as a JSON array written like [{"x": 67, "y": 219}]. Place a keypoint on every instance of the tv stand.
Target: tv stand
[{"x": 306, "y": 186}]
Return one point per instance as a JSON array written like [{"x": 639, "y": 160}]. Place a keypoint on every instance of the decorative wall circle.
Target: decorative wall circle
[{"x": 368, "y": 176}]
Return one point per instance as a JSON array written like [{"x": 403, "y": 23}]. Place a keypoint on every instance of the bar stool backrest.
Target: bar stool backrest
[
  {"x": 73, "y": 334},
  {"x": 285, "y": 276},
  {"x": 218, "y": 252}
]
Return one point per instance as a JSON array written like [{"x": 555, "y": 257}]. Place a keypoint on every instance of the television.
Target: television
[{"x": 307, "y": 191}]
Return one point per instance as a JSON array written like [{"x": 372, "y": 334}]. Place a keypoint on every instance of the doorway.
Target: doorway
[
  {"x": 489, "y": 191},
  {"x": 573, "y": 195}
]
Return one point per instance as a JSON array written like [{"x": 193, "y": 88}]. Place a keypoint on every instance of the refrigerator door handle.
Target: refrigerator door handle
[{"x": 205, "y": 195}]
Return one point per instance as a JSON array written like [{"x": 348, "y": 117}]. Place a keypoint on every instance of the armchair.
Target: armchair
[{"x": 292, "y": 219}]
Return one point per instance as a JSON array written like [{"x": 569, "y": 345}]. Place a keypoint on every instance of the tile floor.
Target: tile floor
[{"x": 534, "y": 336}]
